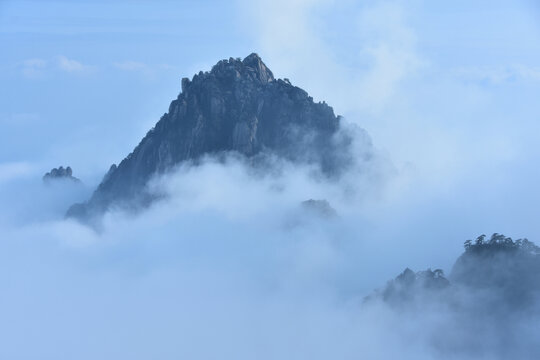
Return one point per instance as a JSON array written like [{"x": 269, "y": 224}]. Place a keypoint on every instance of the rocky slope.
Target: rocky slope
[{"x": 238, "y": 106}]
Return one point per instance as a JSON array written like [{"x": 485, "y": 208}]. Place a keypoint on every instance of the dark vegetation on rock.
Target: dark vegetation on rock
[
  {"x": 238, "y": 107},
  {"x": 410, "y": 286},
  {"x": 488, "y": 308},
  {"x": 504, "y": 273},
  {"x": 509, "y": 268}
]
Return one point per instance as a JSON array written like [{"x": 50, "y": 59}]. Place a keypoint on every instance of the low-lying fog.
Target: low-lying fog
[{"x": 232, "y": 265}]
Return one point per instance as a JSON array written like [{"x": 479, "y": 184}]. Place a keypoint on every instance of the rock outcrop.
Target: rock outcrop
[
  {"x": 506, "y": 268},
  {"x": 237, "y": 106},
  {"x": 410, "y": 286},
  {"x": 500, "y": 272},
  {"x": 60, "y": 173},
  {"x": 488, "y": 308}
]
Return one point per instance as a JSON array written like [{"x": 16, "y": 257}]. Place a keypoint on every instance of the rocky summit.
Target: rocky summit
[{"x": 238, "y": 106}]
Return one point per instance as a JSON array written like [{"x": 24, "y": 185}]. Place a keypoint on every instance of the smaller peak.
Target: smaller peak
[{"x": 60, "y": 173}]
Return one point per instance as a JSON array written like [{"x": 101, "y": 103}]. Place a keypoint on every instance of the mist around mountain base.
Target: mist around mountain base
[{"x": 242, "y": 255}]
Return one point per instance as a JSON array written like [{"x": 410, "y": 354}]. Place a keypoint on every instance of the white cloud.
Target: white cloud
[
  {"x": 389, "y": 45},
  {"x": 70, "y": 65},
  {"x": 224, "y": 266},
  {"x": 292, "y": 37},
  {"x": 148, "y": 71},
  {"x": 131, "y": 66},
  {"x": 37, "y": 63},
  {"x": 36, "y": 68},
  {"x": 33, "y": 68},
  {"x": 498, "y": 75}
]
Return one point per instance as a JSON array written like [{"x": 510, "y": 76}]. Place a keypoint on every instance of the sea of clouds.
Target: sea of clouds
[{"x": 229, "y": 264}]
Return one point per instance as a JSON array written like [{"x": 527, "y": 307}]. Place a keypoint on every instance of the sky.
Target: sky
[{"x": 446, "y": 90}]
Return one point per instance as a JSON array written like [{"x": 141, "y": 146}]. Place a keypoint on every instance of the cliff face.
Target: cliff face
[{"x": 237, "y": 106}]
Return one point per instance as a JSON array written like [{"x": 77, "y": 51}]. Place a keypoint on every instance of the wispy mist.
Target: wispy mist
[{"x": 230, "y": 264}]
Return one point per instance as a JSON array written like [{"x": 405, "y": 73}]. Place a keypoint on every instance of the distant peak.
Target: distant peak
[{"x": 60, "y": 173}]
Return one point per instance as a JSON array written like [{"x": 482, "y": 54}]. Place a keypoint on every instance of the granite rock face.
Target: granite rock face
[{"x": 237, "y": 106}]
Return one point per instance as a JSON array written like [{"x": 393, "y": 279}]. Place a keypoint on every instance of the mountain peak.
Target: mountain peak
[
  {"x": 237, "y": 106},
  {"x": 232, "y": 71}
]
